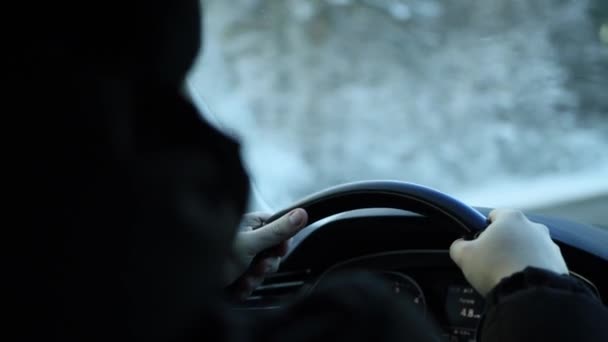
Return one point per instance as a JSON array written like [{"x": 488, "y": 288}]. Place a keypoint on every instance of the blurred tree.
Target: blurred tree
[
  {"x": 368, "y": 87},
  {"x": 586, "y": 58}
]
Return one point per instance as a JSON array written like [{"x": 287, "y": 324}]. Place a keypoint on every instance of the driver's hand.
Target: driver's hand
[
  {"x": 257, "y": 252},
  {"x": 509, "y": 245}
]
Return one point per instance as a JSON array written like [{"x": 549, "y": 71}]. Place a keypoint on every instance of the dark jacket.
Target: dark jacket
[
  {"x": 537, "y": 305},
  {"x": 123, "y": 201}
]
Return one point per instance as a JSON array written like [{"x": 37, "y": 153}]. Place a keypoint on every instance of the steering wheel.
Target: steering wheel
[{"x": 390, "y": 194}]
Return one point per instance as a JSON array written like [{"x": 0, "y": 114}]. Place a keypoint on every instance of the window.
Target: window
[{"x": 499, "y": 103}]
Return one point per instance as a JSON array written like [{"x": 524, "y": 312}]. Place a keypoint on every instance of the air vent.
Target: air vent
[{"x": 278, "y": 289}]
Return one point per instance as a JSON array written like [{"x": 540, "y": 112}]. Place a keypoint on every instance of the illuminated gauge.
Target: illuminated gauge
[{"x": 406, "y": 286}]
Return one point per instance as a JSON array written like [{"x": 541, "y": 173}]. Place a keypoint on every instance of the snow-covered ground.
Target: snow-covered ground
[{"x": 477, "y": 99}]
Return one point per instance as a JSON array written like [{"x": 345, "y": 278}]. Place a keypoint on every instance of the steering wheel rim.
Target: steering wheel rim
[{"x": 389, "y": 194}]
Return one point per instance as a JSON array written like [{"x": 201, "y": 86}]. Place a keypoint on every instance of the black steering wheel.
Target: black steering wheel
[{"x": 390, "y": 194}]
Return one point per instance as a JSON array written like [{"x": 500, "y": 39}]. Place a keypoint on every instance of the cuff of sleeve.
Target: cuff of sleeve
[{"x": 533, "y": 277}]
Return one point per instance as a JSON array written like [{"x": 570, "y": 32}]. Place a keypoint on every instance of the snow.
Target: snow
[
  {"x": 474, "y": 104},
  {"x": 541, "y": 192},
  {"x": 400, "y": 11}
]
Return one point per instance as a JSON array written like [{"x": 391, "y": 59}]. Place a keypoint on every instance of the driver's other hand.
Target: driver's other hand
[
  {"x": 508, "y": 245},
  {"x": 258, "y": 248}
]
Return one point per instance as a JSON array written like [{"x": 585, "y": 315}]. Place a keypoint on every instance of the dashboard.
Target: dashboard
[
  {"x": 409, "y": 253},
  {"x": 428, "y": 279}
]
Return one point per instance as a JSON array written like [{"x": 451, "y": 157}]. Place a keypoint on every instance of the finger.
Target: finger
[
  {"x": 277, "y": 232},
  {"x": 254, "y": 282},
  {"x": 255, "y": 219},
  {"x": 257, "y": 215},
  {"x": 503, "y": 214},
  {"x": 492, "y": 215},
  {"x": 459, "y": 251},
  {"x": 542, "y": 228},
  {"x": 276, "y": 251},
  {"x": 497, "y": 214},
  {"x": 247, "y": 285},
  {"x": 258, "y": 268},
  {"x": 272, "y": 265},
  {"x": 241, "y": 289},
  {"x": 280, "y": 249}
]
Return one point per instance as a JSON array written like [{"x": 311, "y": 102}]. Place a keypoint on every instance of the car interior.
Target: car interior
[{"x": 402, "y": 232}]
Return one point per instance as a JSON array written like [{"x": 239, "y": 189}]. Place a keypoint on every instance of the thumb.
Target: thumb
[
  {"x": 277, "y": 231},
  {"x": 459, "y": 251}
]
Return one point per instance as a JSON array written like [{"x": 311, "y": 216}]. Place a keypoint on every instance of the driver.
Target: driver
[{"x": 126, "y": 206}]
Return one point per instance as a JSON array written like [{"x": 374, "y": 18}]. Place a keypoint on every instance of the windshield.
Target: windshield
[{"x": 496, "y": 102}]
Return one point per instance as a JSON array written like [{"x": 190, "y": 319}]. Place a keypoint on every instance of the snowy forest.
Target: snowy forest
[{"x": 500, "y": 102}]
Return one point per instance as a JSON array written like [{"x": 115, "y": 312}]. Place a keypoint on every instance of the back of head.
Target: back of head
[{"x": 124, "y": 198}]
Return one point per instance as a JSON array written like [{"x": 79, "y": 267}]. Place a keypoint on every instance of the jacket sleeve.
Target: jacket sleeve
[{"x": 539, "y": 305}]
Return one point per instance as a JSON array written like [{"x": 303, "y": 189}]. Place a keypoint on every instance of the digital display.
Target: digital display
[{"x": 464, "y": 307}]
